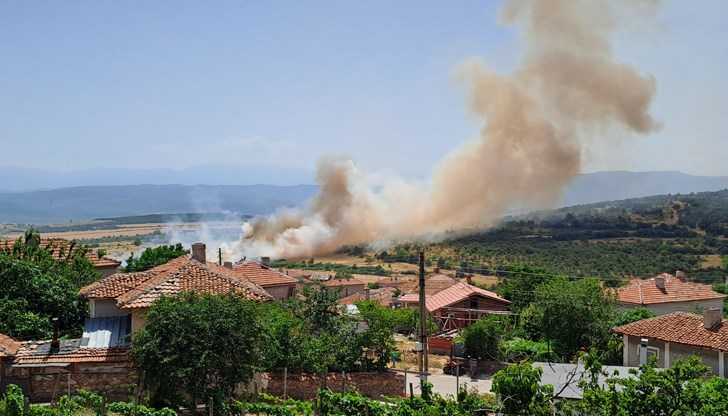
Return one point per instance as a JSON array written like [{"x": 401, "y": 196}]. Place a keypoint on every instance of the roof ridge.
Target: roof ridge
[{"x": 256, "y": 288}]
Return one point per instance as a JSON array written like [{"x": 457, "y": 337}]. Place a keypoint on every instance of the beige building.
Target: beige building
[
  {"x": 133, "y": 293},
  {"x": 677, "y": 334},
  {"x": 348, "y": 286},
  {"x": 666, "y": 293}
]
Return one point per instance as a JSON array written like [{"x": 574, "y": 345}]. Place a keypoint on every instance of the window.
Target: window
[
  {"x": 473, "y": 303},
  {"x": 651, "y": 352}
]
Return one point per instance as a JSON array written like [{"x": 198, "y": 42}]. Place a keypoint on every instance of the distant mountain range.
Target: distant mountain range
[
  {"x": 28, "y": 179},
  {"x": 88, "y": 202}
]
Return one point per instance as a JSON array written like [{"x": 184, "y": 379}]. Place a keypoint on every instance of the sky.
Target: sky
[{"x": 169, "y": 84}]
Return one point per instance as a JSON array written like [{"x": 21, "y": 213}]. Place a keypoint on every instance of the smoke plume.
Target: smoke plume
[{"x": 566, "y": 91}]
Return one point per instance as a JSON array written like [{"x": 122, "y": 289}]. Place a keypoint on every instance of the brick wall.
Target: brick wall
[
  {"x": 115, "y": 383},
  {"x": 302, "y": 386}
]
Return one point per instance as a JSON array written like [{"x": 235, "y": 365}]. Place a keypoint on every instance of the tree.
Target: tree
[
  {"x": 520, "y": 393},
  {"x": 633, "y": 315},
  {"x": 574, "y": 315},
  {"x": 480, "y": 340},
  {"x": 378, "y": 338},
  {"x": 38, "y": 284},
  {"x": 153, "y": 257},
  {"x": 521, "y": 283},
  {"x": 200, "y": 344},
  {"x": 681, "y": 389}
]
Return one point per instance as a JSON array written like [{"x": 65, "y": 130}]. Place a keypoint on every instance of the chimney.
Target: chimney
[
  {"x": 265, "y": 260},
  {"x": 367, "y": 294},
  {"x": 469, "y": 279},
  {"x": 711, "y": 318},
  {"x": 55, "y": 343},
  {"x": 198, "y": 252},
  {"x": 680, "y": 275},
  {"x": 660, "y": 282},
  {"x": 228, "y": 264}
]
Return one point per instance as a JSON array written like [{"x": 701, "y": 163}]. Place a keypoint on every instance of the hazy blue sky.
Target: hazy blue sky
[{"x": 140, "y": 84}]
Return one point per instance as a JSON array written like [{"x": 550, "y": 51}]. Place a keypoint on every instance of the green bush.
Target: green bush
[{"x": 517, "y": 349}]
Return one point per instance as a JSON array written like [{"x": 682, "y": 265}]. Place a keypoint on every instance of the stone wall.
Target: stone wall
[
  {"x": 303, "y": 386},
  {"x": 115, "y": 383}
]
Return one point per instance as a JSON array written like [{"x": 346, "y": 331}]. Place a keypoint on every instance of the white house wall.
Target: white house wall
[{"x": 99, "y": 308}]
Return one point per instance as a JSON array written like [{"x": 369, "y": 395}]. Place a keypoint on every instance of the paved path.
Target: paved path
[{"x": 446, "y": 384}]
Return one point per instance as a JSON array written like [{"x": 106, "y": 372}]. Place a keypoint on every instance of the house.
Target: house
[
  {"x": 311, "y": 275},
  {"x": 45, "y": 370},
  {"x": 463, "y": 304},
  {"x": 678, "y": 334},
  {"x": 277, "y": 284},
  {"x": 133, "y": 293},
  {"x": 60, "y": 248},
  {"x": 8, "y": 348},
  {"x": 348, "y": 286},
  {"x": 434, "y": 283},
  {"x": 384, "y": 296},
  {"x": 401, "y": 283},
  {"x": 666, "y": 293}
]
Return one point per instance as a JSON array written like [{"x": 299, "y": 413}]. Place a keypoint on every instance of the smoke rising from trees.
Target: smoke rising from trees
[{"x": 566, "y": 92}]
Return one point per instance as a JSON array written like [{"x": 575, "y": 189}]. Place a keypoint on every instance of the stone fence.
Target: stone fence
[{"x": 305, "y": 386}]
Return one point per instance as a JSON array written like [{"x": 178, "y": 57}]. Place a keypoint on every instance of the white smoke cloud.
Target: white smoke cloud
[{"x": 567, "y": 92}]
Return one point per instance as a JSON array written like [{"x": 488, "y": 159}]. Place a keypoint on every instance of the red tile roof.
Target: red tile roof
[
  {"x": 8, "y": 346},
  {"x": 383, "y": 296},
  {"x": 296, "y": 272},
  {"x": 411, "y": 298},
  {"x": 262, "y": 275},
  {"x": 457, "y": 293},
  {"x": 34, "y": 352},
  {"x": 183, "y": 274},
  {"x": 398, "y": 282},
  {"x": 343, "y": 282},
  {"x": 60, "y": 248},
  {"x": 645, "y": 292},
  {"x": 117, "y": 284},
  {"x": 680, "y": 328}
]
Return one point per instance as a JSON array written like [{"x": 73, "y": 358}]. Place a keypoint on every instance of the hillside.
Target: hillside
[
  {"x": 81, "y": 203},
  {"x": 613, "y": 240}
]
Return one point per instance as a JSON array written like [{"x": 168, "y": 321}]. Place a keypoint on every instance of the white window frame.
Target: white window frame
[{"x": 650, "y": 352}]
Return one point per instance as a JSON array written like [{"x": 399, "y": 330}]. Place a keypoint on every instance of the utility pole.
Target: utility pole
[{"x": 424, "y": 367}]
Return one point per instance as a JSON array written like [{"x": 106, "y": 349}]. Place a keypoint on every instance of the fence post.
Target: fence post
[{"x": 285, "y": 382}]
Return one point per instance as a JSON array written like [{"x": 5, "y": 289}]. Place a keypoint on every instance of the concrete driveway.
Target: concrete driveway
[{"x": 446, "y": 384}]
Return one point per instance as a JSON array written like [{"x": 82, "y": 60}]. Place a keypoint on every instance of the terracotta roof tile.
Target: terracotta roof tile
[
  {"x": 8, "y": 346},
  {"x": 412, "y": 297},
  {"x": 398, "y": 282},
  {"x": 33, "y": 352},
  {"x": 383, "y": 296},
  {"x": 262, "y": 275},
  {"x": 681, "y": 328},
  {"x": 183, "y": 274},
  {"x": 459, "y": 292},
  {"x": 117, "y": 284},
  {"x": 645, "y": 292},
  {"x": 60, "y": 248},
  {"x": 343, "y": 282}
]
